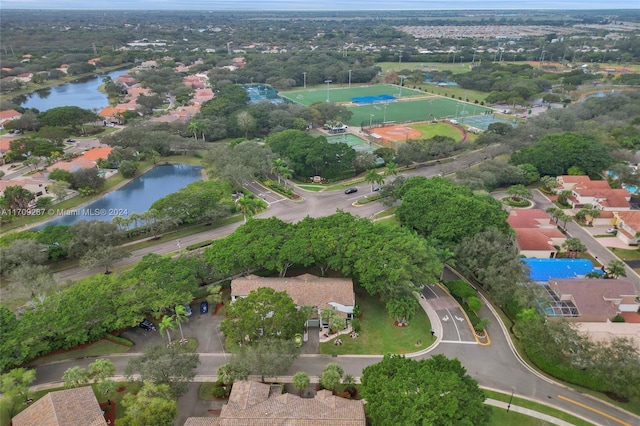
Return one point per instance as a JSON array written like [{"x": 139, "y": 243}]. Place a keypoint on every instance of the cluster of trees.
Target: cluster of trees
[
  {"x": 421, "y": 150},
  {"x": 445, "y": 211},
  {"x": 436, "y": 390},
  {"x": 492, "y": 174},
  {"x": 386, "y": 261},
  {"x": 91, "y": 307}
]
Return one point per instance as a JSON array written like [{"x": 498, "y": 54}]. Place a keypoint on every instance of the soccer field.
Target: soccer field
[
  {"x": 344, "y": 94},
  {"x": 413, "y": 110}
]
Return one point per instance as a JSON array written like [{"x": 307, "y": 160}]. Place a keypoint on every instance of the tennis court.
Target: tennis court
[
  {"x": 413, "y": 110},
  {"x": 346, "y": 94},
  {"x": 482, "y": 122},
  {"x": 353, "y": 141}
]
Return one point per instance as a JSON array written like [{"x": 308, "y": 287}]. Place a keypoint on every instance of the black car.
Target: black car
[
  {"x": 147, "y": 325},
  {"x": 204, "y": 307},
  {"x": 71, "y": 140},
  {"x": 350, "y": 190},
  {"x": 376, "y": 188}
]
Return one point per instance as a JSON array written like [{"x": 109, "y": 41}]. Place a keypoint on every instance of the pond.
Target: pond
[
  {"x": 134, "y": 197},
  {"x": 82, "y": 93}
]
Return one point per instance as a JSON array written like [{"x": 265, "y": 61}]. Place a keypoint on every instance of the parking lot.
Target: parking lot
[{"x": 203, "y": 327}]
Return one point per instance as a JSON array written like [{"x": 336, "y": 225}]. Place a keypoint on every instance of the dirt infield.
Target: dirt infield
[{"x": 397, "y": 133}]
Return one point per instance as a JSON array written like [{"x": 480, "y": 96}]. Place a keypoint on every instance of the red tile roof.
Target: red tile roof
[
  {"x": 529, "y": 218},
  {"x": 533, "y": 239}
]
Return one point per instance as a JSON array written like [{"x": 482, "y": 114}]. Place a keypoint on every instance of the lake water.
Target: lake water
[
  {"x": 136, "y": 196},
  {"x": 82, "y": 93}
]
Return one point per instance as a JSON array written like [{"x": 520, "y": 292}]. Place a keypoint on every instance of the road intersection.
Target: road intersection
[{"x": 495, "y": 366}]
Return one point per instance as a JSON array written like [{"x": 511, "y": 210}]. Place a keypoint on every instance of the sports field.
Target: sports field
[
  {"x": 413, "y": 110},
  {"x": 353, "y": 141},
  {"x": 339, "y": 95}
]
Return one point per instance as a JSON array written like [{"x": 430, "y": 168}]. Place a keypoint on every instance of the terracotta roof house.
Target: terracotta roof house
[
  {"x": 537, "y": 235},
  {"x": 86, "y": 161},
  {"x": 628, "y": 224},
  {"x": 202, "y": 95},
  {"x": 251, "y": 403},
  {"x": 37, "y": 185},
  {"x": 306, "y": 289},
  {"x": 9, "y": 114},
  {"x": 598, "y": 193},
  {"x": 70, "y": 407},
  {"x": 595, "y": 300}
]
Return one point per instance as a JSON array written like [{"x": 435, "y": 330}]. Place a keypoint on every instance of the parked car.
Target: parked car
[
  {"x": 376, "y": 188},
  {"x": 350, "y": 190},
  {"x": 612, "y": 231},
  {"x": 71, "y": 140},
  {"x": 187, "y": 311},
  {"x": 204, "y": 307},
  {"x": 147, "y": 325}
]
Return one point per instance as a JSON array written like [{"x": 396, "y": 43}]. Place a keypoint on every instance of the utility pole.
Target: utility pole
[
  {"x": 350, "y": 79},
  {"x": 304, "y": 80},
  {"x": 328, "y": 83},
  {"x": 229, "y": 48}
]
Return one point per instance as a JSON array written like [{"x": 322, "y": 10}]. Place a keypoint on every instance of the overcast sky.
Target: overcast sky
[{"x": 318, "y": 4}]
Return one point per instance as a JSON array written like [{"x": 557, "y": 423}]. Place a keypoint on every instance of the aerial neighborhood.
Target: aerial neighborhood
[{"x": 271, "y": 217}]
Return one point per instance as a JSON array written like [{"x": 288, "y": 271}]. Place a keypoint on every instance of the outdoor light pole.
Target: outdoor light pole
[
  {"x": 370, "y": 120},
  {"x": 350, "y": 79},
  {"x": 402, "y": 77},
  {"x": 328, "y": 83},
  {"x": 304, "y": 79},
  {"x": 384, "y": 120},
  {"x": 510, "y": 399}
]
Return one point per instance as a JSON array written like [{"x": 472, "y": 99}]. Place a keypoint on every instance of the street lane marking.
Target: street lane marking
[
  {"x": 459, "y": 342},
  {"x": 615, "y": 419},
  {"x": 456, "y": 325}
]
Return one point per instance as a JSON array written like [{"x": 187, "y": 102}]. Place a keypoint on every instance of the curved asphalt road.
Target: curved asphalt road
[{"x": 495, "y": 366}]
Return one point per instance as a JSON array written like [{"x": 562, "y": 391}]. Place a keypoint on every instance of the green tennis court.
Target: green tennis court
[
  {"x": 344, "y": 94},
  {"x": 353, "y": 141},
  {"x": 413, "y": 110}
]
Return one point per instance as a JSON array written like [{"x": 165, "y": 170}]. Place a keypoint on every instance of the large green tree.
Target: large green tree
[
  {"x": 164, "y": 366},
  {"x": 154, "y": 404},
  {"x": 430, "y": 391},
  {"x": 14, "y": 386},
  {"x": 555, "y": 154},
  {"x": 264, "y": 313},
  {"x": 446, "y": 211},
  {"x": 67, "y": 116}
]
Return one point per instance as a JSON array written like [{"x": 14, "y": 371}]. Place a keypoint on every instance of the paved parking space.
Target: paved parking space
[
  {"x": 455, "y": 328},
  {"x": 203, "y": 327}
]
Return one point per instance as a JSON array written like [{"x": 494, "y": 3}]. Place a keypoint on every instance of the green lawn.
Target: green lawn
[
  {"x": 428, "y": 130},
  {"x": 99, "y": 348},
  {"x": 500, "y": 417},
  {"x": 413, "y": 110},
  {"x": 379, "y": 335},
  {"x": 344, "y": 94},
  {"x": 533, "y": 406}
]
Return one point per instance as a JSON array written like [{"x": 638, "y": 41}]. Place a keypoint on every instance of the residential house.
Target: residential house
[
  {"x": 202, "y": 95},
  {"x": 628, "y": 224},
  {"x": 305, "y": 290},
  {"x": 36, "y": 184},
  {"x": 592, "y": 300},
  {"x": 87, "y": 160},
  {"x": 598, "y": 193},
  {"x": 537, "y": 234},
  {"x": 67, "y": 407},
  {"x": 253, "y": 403},
  {"x": 7, "y": 116}
]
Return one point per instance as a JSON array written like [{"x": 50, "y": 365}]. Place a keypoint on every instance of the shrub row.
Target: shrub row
[{"x": 119, "y": 340}]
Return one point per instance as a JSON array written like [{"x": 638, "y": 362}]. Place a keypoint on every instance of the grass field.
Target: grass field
[
  {"x": 353, "y": 141},
  {"x": 379, "y": 335},
  {"x": 415, "y": 110},
  {"x": 344, "y": 94},
  {"x": 428, "y": 130}
]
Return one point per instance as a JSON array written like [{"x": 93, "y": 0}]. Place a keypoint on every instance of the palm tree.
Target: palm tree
[
  {"x": 573, "y": 246},
  {"x": 563, "y": 197},
  {"x": 392, "y": 169},
  {"x": 167, "y": 324},
  {"x": 519, "y": 192},
  {"x": 179, "y": 317},
  {"x": 554, "y": 212},
  {"x": 286, "y": 173},
  {"x": 300, "y": 381},
  {"x": 564, "y": 218},
  {"x": 549, "y": 183},
  {"x": 372, "y": 177},
  {"x": 248, "y": 206},
  {"x": 276, "y": 167},
  {"x": 616, "y": 268},
  {"x": 587, "y": 214}
]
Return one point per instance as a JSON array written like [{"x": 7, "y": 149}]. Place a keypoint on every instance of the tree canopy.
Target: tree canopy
[
  {"x": 446, "y": 211},
  {"x": 555, "y": 154},
  {"x": 430, "y": 391}
]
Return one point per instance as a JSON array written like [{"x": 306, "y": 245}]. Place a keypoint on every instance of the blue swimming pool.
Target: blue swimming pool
[{"x": 544, "y": 269}]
